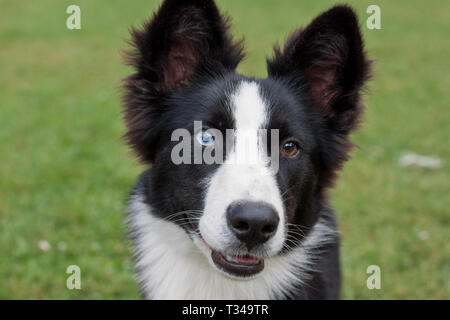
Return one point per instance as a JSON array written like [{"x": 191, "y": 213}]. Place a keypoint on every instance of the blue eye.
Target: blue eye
[{"x": 204, "y": 138}]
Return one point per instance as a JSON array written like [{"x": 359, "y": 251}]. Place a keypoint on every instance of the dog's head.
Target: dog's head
[{"x": 185, "y": 85}]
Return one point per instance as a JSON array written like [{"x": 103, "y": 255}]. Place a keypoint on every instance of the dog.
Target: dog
[{"x": 229, "y": 230}]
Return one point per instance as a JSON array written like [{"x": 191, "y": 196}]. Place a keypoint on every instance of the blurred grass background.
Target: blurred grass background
[{"x": 65, "y": 172}]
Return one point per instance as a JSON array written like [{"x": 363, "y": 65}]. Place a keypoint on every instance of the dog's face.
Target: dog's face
[{"x": 279, "y": 140}]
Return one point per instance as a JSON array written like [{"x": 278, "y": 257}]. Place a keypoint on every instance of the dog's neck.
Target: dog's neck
[{"x": 170, "y": 266}]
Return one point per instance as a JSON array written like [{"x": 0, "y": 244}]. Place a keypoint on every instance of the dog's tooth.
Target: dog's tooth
[{"x": 230, "y": 258}]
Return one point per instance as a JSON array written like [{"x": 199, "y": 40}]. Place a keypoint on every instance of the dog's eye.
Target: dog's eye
[
  {"x": 290, "y": 149},
  {"x": 204, "y": 138}
]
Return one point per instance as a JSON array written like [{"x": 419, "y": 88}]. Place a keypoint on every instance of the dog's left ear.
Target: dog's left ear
[
  {"x": 183, "y": 35},
  {"x": 328, "y": 56},
  {"x": 183, "y": 39}
]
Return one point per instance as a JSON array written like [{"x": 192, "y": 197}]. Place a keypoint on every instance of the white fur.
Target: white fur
[
  {"x": 171, "y": 266},
  {"x": 244, "y": 175}
]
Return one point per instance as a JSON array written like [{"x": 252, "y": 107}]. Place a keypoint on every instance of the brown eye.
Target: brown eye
[{"x": 290, "y": 149}]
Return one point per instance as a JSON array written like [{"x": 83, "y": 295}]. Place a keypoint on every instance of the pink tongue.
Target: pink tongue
[{"x": 246, "y": 259}]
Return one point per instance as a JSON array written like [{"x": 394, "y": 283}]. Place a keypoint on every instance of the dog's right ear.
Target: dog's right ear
[
  {"x": 327, "y": 59},
  {"x": 180, "y": 39}
]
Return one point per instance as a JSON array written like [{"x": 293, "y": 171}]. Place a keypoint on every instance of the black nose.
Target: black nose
[{"x": 252, "y": 222}]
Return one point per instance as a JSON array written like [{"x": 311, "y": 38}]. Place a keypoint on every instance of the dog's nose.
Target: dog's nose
[{"x": 252, "y": 222}]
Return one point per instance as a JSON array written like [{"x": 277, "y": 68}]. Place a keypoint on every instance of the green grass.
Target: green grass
[{"x": 65, "y": 172}]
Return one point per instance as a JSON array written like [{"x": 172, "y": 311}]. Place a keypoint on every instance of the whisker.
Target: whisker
[{"x": 176, "y": 214}]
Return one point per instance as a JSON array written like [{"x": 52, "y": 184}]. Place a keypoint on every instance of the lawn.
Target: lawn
[{"x": 65, "y": 172}]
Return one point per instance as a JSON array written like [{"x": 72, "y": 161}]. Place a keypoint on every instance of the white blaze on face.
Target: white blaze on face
[{"x": 243, "y": 176}]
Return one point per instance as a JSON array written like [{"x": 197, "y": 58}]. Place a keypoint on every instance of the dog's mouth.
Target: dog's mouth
[{"x": 237, "y": 265}]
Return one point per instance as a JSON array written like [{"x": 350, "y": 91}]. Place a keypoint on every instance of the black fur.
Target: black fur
[
  {"x": 185, "y": 64},
  {"x": 328, "y": 58},
  {"x": 185, "y": 37}
]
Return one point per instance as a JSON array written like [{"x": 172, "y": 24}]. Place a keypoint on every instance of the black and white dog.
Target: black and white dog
[{"x": 228, "y": 230}]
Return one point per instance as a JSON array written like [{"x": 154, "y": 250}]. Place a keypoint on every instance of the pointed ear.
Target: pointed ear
[
  {"x": 184, "y": 37},
  {"x": 180, "y": 37},
  {"x": 329, "y": 56}
]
